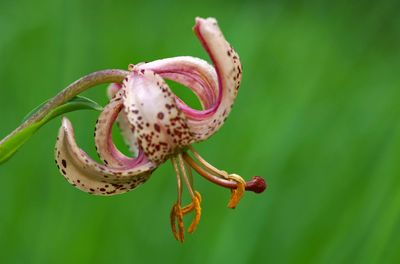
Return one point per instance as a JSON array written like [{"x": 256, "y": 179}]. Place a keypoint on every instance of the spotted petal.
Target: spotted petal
[
  {"x": 216, "y": 88},
  {"x": 89, "y": 176},
  {"x": 229, "y": 73},
  {"x": 105, "y": 147},
  {"x": 157, "y": 122},
  {"x": 195, "y": 73},
  {"x": 123, "y": 122}
]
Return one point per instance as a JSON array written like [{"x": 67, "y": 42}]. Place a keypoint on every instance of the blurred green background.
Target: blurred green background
[{"x": 317, "y": 115}]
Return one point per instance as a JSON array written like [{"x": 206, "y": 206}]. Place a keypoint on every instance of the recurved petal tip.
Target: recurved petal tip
[
  {"x": 229, "y": 73},
  {"x": 88, "y": 175},
  {"x": 65, "y": 123},
  {"x": 210, "y": 20},
  {"x": 112, "y": 89}
]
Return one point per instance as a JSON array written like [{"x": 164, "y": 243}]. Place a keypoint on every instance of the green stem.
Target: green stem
[
  {"x": 12, "y": 142},
  {"x": 75, "y": 88}
]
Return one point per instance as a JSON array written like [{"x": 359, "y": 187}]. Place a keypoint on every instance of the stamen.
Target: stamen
[
  {"x": 195, "y": 205},
  {"x": 177, "y": 212},
  {"x": 256, "y": 184},
  {"x": 189, "y": 170},
  {"x": 207, "y": 165},
  {"x": 178, "y": 179},
  {"x": 236, "y": 194},
  {"x": 185, "y": 178},
  {"x": 196, "y": 198},
  {"x": 176, "y": 215}
]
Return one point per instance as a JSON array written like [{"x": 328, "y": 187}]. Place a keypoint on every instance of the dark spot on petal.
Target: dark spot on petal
[{"x": 157, "y": 128}]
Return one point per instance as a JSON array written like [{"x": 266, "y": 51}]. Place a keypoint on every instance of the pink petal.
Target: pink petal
[
  {"x": 105, "y": 147},
  {"x": 123, "y": 122},
  {"x": 192, "y": 72},
  {"x": 229, "y": 72},
  {"x": 216, "y": 88}
]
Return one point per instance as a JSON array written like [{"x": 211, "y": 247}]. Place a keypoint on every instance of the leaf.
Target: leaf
[{"x": 10, "y": 144}]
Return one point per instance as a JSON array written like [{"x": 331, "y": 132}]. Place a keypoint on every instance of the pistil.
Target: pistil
[
  {"x": 221, "y": 178},
  {"x": 176, "y": 214}
]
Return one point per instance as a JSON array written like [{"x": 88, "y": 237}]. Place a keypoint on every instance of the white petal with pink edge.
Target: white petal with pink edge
[
  {"x": 216, "y": 87},
  {"x": 105, "y": 147},
  {"x": 123, "y": 122},
  {"x": 229, "y": 73}
]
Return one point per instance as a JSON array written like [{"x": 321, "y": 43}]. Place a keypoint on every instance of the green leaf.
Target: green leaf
[
  {"x": 76, "y": 103},
  {"x": 11, "y": 144}
]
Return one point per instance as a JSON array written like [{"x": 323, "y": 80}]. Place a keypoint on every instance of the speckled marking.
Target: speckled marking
[{"x": 151, "y": 107}]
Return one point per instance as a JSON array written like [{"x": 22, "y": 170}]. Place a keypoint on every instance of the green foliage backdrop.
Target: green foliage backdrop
[{"x": 317, "y": 115}]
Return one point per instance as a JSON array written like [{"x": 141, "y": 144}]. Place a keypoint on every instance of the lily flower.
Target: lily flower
[{"x": 158, "y": 126}]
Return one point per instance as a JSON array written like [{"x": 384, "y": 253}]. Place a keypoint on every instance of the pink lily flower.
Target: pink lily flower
[{"x": 158, "y": 126}]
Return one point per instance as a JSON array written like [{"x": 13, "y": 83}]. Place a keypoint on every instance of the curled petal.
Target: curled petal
[
  {"x": 123, "y": 122},
  {"x": 113, "y": 89},
  {"x": 229, "y": 74},
  {"x": 195, "y": 73},
  {"x": 159, "y": 126},
  {"x": 89, "y": 176},
  {"x": 105, "y": 147},
  {"x": 216, "y": 88}
]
